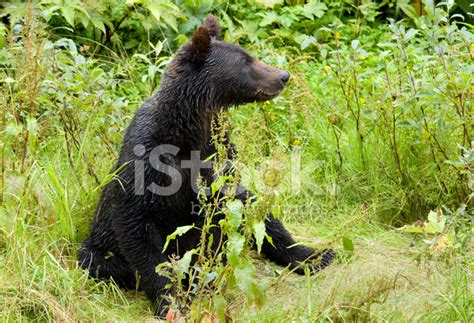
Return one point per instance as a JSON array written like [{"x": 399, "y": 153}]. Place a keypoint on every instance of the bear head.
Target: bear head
[{"x": 223, "y": 72}]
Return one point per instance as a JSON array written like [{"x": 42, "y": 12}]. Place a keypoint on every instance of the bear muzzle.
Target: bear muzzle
[{"x": 271, "y": 81}]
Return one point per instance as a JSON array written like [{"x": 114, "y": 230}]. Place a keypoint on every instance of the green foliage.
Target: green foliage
[
  {"x": 226, "y": 234},
  {"x": 118, "y": 27},
  {"x": 389, "y": 112}
]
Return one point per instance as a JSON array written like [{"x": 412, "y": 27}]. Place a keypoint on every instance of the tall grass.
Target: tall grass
[{"x": 384, "y": 122}]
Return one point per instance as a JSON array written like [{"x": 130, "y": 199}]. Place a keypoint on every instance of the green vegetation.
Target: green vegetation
[{"x": 377, "y": 120}]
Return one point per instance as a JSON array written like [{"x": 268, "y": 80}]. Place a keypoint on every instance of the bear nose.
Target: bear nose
[{"x": 284, "y": 76}]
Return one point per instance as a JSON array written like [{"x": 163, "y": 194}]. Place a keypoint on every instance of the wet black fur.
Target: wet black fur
[{"x": 128, "y": 231}]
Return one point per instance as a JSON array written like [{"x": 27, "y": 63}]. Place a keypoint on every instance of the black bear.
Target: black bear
[{"x": 154, "y": 193}]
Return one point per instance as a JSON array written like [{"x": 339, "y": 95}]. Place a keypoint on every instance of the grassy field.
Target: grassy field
[{"x": 378, "y": 130}]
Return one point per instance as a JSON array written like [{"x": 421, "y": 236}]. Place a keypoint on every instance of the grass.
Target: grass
[
  {"x": 381, "y": 280},
  {"x": 385, "y": 278},
  {"x": 371, "y": 158}
]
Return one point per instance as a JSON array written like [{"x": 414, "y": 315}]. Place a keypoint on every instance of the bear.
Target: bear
[{"x": 153, "y": 193}]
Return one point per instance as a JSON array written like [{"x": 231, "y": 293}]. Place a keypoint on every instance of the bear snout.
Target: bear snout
[{"x": 284, "y": 76}]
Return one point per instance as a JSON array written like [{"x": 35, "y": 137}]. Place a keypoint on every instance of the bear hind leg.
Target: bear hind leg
[{"x": 105, "y": 264}]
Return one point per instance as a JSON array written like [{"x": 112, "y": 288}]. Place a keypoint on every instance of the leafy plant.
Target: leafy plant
[{"x": 202, "y": 276}]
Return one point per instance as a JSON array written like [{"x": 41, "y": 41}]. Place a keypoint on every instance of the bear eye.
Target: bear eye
[{"x": 248, "y": 59}]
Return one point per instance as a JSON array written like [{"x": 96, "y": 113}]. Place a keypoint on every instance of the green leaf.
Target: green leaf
[
  {"x": 409, "y": 10},
  {"x": 355, "y": 43},
  {"x": 68, "y": 14},
  {"x": 184, "y": 263},
  {"x": 347, "y": 244},
  {"x": 210, "y": 277},
  {"x": 308, "y": 41},
  {"x": 253, "y": 289},
  {"x": 269, "y": 3},
  {"x": 244, "y": 278},
  {"x": 178, "y": 232},
  {"x": 68, "y": 43},
  {"x": 170, "y": 20},
  {"x": 49, "y": 12},
  {"x": 410, "y": 34},
  {"x": 220, "y": 305},
  {"x": 386, "y": 44},
  {"x": 99, "y": 24},
  {"x": 167, "y": 12},
  {"x": 430, "y": 8},
  {"x": 466, "y": 5},
  {"x": 268, "y": 19},
  {"x": 234, "y": 213},
  {"x": 83, "y": 16},
  {"x": 317, "y": 9},
  {"x": 259, "y": 232},
  {"x": 155, "y": 10},
  {"x": 32, "y": 126},
  {"x": 235, "y": 245},
  {"x": 436, "y": 222},
  {"x": 288, "y": 19},
  {"x": 217, "y": 184},
  {"x": 13, "y": 130},
  {"x": 181, "y": 39},
  {"x": 158, "y": 48}
]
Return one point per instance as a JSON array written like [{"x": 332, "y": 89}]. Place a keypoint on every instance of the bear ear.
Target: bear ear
[
  {"x": 201, "y": 45},
  {"x": 201, "y": 40},
  {"x": 212, "y": 25}
]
